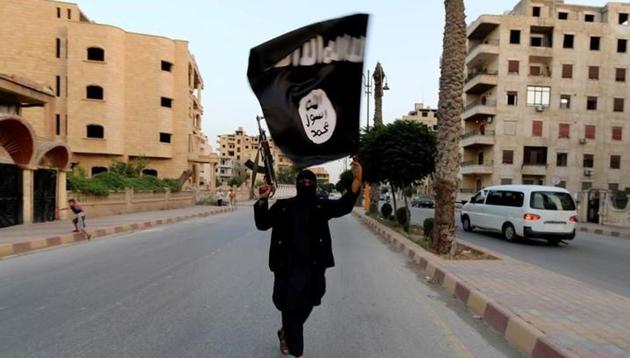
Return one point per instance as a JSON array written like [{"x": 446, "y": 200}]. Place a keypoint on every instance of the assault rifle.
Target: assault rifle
[{"x": 265, "y": 158}]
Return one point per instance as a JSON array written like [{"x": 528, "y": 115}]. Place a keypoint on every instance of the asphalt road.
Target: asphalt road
[
  {"x": 202, "y": 289},
  {"x": 599, "y": 260}
]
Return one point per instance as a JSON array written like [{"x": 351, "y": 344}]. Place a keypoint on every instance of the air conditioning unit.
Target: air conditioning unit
[
  {"x": 540, "y": 108},
  {"x": 582, "y": 140},
  {"x": 588, "y": 172}
]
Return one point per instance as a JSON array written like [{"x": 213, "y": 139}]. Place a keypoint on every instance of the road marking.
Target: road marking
[{"x": 458, "y": 346}]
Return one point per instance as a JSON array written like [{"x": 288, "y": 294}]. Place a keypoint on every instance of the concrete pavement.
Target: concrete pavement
[
  {"x": 540, "y": 312},
  {"x": 202, "y": 288}
]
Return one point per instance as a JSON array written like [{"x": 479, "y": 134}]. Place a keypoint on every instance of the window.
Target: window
[
  {"x": 589, "y": 18},
  {"x": 509, "y": 128},
  {"x": 587, "y": 160},
  {"x": 166, "y": 102},
  {"x": 58, "y": 48},
  {"x": 59, "y": 13},
  {"x": 591, "y": 103},
  {"x": 562, "y": 159},
  {"x": 150, "y": 172},
  {"x": 620, "y": 74},
  {"x": 95, "y": 54},
  {"x": 508, "y": 157},
  {"x": 623, "y": 19},
  {"x": 568, "y": 41},
  {"x": 613, "y": 186},
  {"x": 537, "y": 128},
  {"x": 95, "y": 131},
  {"x": 615, "y": 162},
  {"x": 567, "y": 71},
  {"x": 564, "y": 130},
  {"x": 425, "y": 114},
  {"x": 565, "y": 101},
  {"x": 536, "y": 11},
  {"x": 513, "y": 67},
  {"x": 551, "y": 200},
  {"x": 512, "y": 98},
  {"x": 167, "y": 66},
  {"x": 618, "y": 104},
  {"x": 58, "y": 86},
  {"x": 494, "y": 198},
  {"x": 98, "y": 170},
  {"x": 57, "y": 124},
  {"x": 165, "y": 137},
  {"x": 478, "y": 199},
  {"x": 69, "y": 14},
  {"x": 586, "y": 185},
  {"x": 622, "y": 45},
  {"x": 94, "y": 92},
  {"x": 589, "y": 131},
  {"x": 595, "y": 42},
  {"x": 536, "y": 41},
  {"x": 593, "y": 72},
  {"x": 563, "y": 15},
  {"x": 534, "y": 70},
  {"x": 506, "y": 181},
  {"x": 515, "y": 37},
  {"x": 617, "y": 133},
  {"x": 538, "y": 96},
  {"x": 535, "y": 156}
]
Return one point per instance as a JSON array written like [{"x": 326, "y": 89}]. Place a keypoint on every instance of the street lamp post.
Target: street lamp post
[{"x": 367, "y": 89}]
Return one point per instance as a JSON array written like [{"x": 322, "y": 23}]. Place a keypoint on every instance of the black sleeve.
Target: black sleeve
[
  {"x": 263, "y": 215},
  {"x": 343, "y": 206}
]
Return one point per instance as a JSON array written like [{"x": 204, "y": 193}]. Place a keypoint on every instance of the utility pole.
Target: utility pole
[{"x": 379, "y": 78}]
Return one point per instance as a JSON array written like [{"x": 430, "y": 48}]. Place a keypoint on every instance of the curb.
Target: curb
[
  {"x": 519, "y": 333},
  {"x": 23, "y": 247},
  {"x": 604, "y": 231}
]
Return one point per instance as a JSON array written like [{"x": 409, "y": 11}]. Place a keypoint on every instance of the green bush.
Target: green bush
[
  {"x": 427, "y": 227},
  {"x": 111, "y": 180},
  {"x": 79, "y": 184},
  {"x": 173, "y": 184},
  {"x": 402, "y": 216},
  {"x": 386, "y": 210}
]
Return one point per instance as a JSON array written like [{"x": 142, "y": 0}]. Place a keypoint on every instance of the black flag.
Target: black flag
[{"x": 308, "y": 83}]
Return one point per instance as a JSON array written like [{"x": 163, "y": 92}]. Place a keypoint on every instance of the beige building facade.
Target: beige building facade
[
  {"x": 322, "y": 175},
  {"x": 118, "y": 95},
  {"x": 422, "y": 114},
  {"x": 547, "y": 98},
  {"x": 236, "y": 148}
]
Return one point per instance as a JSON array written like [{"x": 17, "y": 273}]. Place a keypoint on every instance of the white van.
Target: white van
[{"x": 528, "y": 211}]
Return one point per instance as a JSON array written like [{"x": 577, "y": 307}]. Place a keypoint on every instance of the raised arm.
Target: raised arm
[
  {"x": 263, "y": 215},
  {"x": 343, "y": 206}
]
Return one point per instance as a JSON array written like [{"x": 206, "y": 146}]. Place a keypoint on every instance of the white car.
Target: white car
[{"x": 528, "y": 211}]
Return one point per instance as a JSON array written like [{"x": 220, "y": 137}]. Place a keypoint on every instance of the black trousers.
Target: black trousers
[{"x": 293, "y": 328}]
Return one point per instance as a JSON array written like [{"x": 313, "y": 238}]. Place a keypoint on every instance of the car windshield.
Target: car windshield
[{"x": 549, "y": 200}]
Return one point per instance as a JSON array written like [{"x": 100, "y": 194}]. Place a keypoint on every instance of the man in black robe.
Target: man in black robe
[{"x": 301, "y": 250}]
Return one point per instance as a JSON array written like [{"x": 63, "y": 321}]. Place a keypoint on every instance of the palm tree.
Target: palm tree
[
  {"x": 450, "y": 108},
  {"x": 375, "y": 189}
]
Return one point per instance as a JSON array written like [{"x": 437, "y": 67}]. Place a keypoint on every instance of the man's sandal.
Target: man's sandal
[{"x": 284, "y": 347}]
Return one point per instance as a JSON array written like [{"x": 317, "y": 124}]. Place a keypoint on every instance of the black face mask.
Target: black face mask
[{"x": 306, "y": 191}]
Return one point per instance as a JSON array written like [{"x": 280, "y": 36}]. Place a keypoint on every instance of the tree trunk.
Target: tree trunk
[
  {"x": 393, "y": 189},
  {"x": 450, "y": 108}
]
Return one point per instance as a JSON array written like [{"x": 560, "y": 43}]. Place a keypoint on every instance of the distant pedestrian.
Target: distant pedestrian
[
  {"x": 232, "y": 196},
  {"x": 301, "y": 250},
  {"x": 79, "y": 218}
]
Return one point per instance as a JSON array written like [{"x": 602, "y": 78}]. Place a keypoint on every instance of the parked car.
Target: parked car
[
  {"x": 422, "y": 202},
  {"x": 527, "y": 211}
]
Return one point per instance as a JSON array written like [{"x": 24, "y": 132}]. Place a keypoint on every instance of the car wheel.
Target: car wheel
[
  {"x": 509, "y": 233},
  {"x": 466, "y": 224}
]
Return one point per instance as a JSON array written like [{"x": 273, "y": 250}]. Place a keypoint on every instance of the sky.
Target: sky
[{"x": 404, "y": 35}]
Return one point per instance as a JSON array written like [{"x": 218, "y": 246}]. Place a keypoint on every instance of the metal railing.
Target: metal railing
[
  {"x": 476, "y": 73},
  {"x": 470, "y": 163},
  {"x": 477, "y": 102},
  {"x": 475, "y": 133},
  {"x": 466, "y": 191},
  {"x": 472, "y": 47}
]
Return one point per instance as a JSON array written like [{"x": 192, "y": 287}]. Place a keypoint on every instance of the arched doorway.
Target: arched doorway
[{"x": 51, "y": 159}]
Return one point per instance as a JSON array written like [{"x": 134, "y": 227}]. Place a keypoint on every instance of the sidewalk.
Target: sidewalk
[
  {"x": 23, "y": 238},
  {"x": 608, "y": 230},
  {"x": 541, "y": 313}
]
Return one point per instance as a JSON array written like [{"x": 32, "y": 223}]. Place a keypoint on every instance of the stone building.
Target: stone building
[
  {"x": 547, "y": 92},
  {"x": 118, "y": 95},
  {"x": 321, "y": 174},
  {"x": 423, "y": 115},
  {"x": 33, "y": 162},
  {"x": 235, "y": 149}
]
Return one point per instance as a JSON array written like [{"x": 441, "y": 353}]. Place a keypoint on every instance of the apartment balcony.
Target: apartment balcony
[
  {"x": 482, "y": 27},
  {"x": 479, "y": 82},
  {"x": 477, "y": 110},
  {"x": 474, "y": 168},
  {"x": 483, "y": 52},
  {"x": 537, "y": 169},
  {"x": 476, "y": 139},
  {"x": 467, "y": 191}
]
